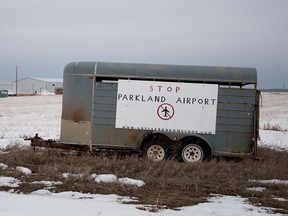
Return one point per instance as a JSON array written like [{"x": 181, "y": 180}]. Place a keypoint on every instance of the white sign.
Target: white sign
[{"x": 167, "y": 106}]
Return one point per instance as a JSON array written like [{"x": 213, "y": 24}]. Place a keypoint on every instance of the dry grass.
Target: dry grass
[
  {"x": 168, "y": 183},
  {"x": 268, "y": 126}
]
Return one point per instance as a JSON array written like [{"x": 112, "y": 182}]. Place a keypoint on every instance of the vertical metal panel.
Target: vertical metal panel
[
  {"x": 104, "y": 116},
  {"x": 77, "y": 107},
  {"x": 235, "y": 121}
]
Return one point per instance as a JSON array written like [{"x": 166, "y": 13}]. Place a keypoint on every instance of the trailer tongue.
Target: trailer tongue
[{"x": 37, "y": 141}]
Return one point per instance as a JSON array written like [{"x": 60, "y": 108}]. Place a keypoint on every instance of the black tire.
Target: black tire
[
  {"x": 155, "y": 150},
  {"x": 191, "y": 151}
]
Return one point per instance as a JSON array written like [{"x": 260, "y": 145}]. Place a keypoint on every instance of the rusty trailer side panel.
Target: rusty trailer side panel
[
  {"x": 76, "y": 107},
  {"x": 90, "y": 100},
  {"x": 235, "y": 121},
  {"x": 104, "y": 117}
]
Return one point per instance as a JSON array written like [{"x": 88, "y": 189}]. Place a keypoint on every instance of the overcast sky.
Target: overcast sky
[{"x": 41, "y": 37}]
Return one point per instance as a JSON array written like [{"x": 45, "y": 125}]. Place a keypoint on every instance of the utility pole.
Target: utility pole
[{"x": 16, "y": 80}]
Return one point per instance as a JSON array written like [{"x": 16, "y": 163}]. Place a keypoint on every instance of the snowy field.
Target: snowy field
[
  {"x": 22, "y": 117},
  {"x": 274, "y": 111}
]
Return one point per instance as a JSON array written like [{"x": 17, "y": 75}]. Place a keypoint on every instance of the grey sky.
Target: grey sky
[{"x": 41, "y": 37}]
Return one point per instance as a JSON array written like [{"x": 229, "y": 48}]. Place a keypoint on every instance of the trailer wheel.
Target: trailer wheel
[
  {"x": 192, "y": 153},
  {"x": 155, "y": 150}
]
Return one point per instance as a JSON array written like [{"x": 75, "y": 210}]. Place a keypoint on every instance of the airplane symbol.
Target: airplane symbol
[{"x": 166, "y": 111}]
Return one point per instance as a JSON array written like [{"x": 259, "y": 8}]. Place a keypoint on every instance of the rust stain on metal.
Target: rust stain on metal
[
  {"x": 135, "y": 136},
  {"x": 118, "y": 137},
  {"x": 72, "y": 112},
  {"x": 65, "y": 112},
  {"x": 78, "y": 115}
]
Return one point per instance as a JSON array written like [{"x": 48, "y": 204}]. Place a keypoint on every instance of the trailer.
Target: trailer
[{"x": 159, "y": 111}]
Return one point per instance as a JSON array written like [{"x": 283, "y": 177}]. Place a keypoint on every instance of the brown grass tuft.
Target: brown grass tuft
[{"x": 268, "y": 126}]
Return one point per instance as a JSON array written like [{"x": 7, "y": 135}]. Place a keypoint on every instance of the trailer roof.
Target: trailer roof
[{"x": 209, "y": 74}]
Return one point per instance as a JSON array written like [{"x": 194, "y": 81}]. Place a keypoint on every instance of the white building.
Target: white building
[{"x": 31, "y": 85}]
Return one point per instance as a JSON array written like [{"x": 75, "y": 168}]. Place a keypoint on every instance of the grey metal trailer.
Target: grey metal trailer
[{"x": 160, "y": 111}]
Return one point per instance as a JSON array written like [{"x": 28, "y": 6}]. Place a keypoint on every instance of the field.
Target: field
[{"x": 130, "y": 185}]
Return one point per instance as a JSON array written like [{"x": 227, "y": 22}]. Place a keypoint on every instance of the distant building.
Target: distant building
[{"x": 32, "y": 85}]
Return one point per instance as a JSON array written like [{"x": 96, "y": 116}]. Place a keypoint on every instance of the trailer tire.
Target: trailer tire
[
  {"x": 192, "y": 151},
  {"x": 155, "y": 150}
]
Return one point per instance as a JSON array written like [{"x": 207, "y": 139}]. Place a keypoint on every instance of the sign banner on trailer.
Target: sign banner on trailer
[{"x": 167, "y": 106}]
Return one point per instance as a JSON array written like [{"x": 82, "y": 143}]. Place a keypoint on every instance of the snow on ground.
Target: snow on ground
[
  {"x": 271, "y": 181},
  {"x": 22, "y": 117},
  {"x": 110, "y": 178},
  {"x": 45, "y": 203},
  {"x": 9, "y": 182},
  {"x": 274, "y": 111},
  {"x": 24, "y": 170}
]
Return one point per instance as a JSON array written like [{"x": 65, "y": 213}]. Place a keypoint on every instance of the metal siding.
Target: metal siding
[
  {"x": 51, "y": 86},
  {"x": 235, "y": 107},
  {"x": 77, "y": 98},
  {"x": 232, "y": 75},
  {"x": 103, "y": 121},
  {"x": 104, "y": 116},
  {"x": 76, "y": 109},
  {"x": 105, "y": 107},
  {"x": 238, "y": 92},
  {"x": 234, "y": 127},
  {"x": 29, "y": 86},
  {"x": 235, "y": 112},
  {"x": 35, "y": 85},
  {"x": 230, "y": 142},
  {"x": 80, "y": 68},
  {"x": 235, "y": 121},
  {"x": 178, "y": 72},
  {"x": 110, "y": 136},
  {"x": 236, "y": 99},
  {"x": 109, "y": 114}
]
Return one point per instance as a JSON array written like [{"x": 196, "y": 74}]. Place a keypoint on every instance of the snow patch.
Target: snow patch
[
  {"x": 69, "y": 175},
  {"x": 258, "y": 189},
  {"x": 9, "y": 182},
  {"x": 3, "y": 166},
  {"x": 280, "y": 199},
  {"x": 24, "y": 170},
  {"x": 41, "y": 192},
  {"x": 131, "y": 182},
  {"x": 105, "y": 178},
  {"x": 110, "y": 178},
  {"x": 48, "y": 183},
  {"x": 271, "y": 181},
  {"x": 45, "y": 203}
]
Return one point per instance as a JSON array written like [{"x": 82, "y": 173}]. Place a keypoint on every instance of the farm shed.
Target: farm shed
[{"x": 31, "y": 85}]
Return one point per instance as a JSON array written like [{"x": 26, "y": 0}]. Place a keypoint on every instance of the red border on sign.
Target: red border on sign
[{"x": 169, "y": 115}]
